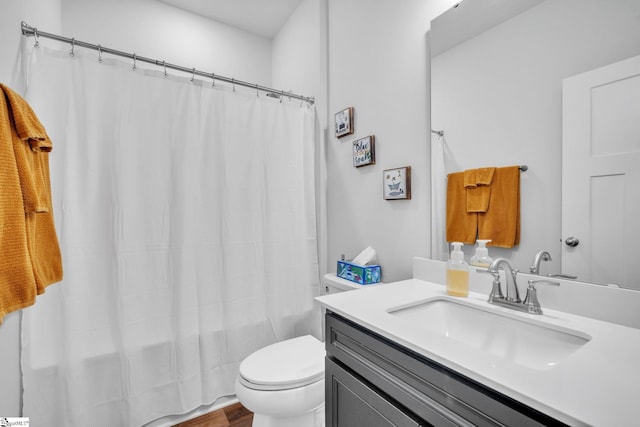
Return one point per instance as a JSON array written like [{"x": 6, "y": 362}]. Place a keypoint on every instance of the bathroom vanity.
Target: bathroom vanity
[
  {"x": 407, "y": 354},
  {"x": 372, "y": 381}
]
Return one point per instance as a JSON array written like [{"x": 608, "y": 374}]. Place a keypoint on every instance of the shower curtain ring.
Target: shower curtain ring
[
  {"x": 213, "y": 79},
  {"x": 257, "y": 93},
  {"x": 100, "y": 54},
  {"x": 193, "y": 74},
  {"x": 164, "y": 66},
  {"x": 281, "y": 95},
  {"x": 73, "y": 47},
  {"x": 134, "y": 62},
  {"x": 36, "y": 36},
  {"x": 233, "y": 83}
]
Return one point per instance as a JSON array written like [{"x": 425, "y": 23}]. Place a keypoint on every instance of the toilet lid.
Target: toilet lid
[{"x": 287, "y": 364}]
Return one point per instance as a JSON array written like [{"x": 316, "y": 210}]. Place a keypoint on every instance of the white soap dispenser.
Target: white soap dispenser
[
  {"x": 481, "y": 257},
  {"x": 457, "y": 272}
]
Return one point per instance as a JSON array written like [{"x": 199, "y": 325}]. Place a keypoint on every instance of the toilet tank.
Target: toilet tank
[{"x": 333, "y": 284}]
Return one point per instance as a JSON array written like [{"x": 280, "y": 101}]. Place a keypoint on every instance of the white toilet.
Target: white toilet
[{"x": 283, "y": 383}]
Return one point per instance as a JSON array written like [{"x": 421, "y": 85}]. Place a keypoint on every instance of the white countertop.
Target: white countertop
[{"x": 597, "y": 385}]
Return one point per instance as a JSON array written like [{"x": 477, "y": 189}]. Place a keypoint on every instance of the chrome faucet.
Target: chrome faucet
[
  {"x": 540, "y": 256},
  {"x": 512, "y": 299},
  {"x": 511, "y": 292}
]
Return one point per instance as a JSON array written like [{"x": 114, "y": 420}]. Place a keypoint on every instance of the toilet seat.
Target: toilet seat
[{"x": 293, "y": 363}]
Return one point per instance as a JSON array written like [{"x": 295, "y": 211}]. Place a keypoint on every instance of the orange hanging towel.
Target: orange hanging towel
[
  {"x": 462, "y": 226},
  {"x": 477, "y": 183},
  {"x": 30, "y": 257},
  {"x": 501, "y": 222}
]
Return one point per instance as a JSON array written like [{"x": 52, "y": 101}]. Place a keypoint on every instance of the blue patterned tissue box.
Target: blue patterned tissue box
[{"x": 367, "y": 275}]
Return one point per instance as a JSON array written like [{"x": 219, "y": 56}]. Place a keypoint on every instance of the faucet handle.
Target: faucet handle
[
  {"x": 532, "y": 283},
  {"x": 494, "y": 273},
  {"x": 496, "y": 291},
  {"x": 531, "y": 299}
]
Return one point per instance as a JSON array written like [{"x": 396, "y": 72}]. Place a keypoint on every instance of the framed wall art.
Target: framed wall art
[
  {"x": 344, "y": 122},
  {"x": 364, "y": 151},
  {"x": 397, "y": 183}
]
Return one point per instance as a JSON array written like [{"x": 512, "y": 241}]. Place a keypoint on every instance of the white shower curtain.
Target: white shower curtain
[
  {"x": 442, "y": 164},
  {"x": 439, "y": 246},
  {"x": 187, "y": 223}
]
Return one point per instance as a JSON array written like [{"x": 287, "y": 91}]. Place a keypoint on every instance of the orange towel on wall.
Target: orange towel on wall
[
  {"x": 477, "y": 183},
  {"x": 30, "y": 257},
  {"x": 501, "y": 222},
  {"x": 462, "y": 226}
]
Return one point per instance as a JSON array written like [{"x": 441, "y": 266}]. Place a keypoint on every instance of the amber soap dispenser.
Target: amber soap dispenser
[{"x": 457, "y": 272}]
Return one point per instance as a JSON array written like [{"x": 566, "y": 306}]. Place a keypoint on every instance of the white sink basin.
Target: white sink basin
[{"x": 511, "y": 336}]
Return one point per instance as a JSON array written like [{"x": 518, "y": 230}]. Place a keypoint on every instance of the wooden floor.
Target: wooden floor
[{"x": 234, "y": 415}]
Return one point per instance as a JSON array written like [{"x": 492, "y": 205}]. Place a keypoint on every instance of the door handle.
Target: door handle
[{"x": 572, "y": 242}]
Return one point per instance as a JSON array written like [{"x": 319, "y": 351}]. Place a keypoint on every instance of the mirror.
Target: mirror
[{"x": 497, "y": 69}]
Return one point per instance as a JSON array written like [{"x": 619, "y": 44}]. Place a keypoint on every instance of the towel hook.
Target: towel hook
[
  {"x": 73, "y": 47},
  {"x": 100, "y": 54},
  {"x": 36, "y": 37}
]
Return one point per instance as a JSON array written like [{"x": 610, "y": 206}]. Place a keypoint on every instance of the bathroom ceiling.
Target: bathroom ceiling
[{"x": 261, "y": 17}]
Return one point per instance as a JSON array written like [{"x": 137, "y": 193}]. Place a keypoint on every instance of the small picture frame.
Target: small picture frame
[
  {"x": 344, "y": 122},
  {"x": 397, "y": 183},
  {"x": 364, "y": 151}
]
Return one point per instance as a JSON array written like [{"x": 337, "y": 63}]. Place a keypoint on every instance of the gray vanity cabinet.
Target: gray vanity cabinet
[
  {"x": 355, "y": 403},
  {"x": 373, "y": 382}
]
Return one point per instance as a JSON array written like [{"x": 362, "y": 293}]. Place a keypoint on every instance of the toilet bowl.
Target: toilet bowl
[{"x": 283, "y": 383}]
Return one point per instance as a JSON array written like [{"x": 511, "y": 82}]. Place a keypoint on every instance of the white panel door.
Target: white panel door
[{"x": 601, "y": 174}]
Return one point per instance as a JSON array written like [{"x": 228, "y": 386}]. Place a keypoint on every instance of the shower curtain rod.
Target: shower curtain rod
[{"x": 28, "y": 30}]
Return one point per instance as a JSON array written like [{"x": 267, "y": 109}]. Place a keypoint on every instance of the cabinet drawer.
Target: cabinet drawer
[
  {"x": 429, "y": 390},
  {"x": 354, "y": 404}
]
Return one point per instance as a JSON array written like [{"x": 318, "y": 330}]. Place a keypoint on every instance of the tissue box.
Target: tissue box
[{"x": 366, "y": 275}]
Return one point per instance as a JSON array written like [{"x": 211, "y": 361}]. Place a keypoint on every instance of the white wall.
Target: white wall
[
  {"x": 299, "y": 58},
  {"x": 159, "y": 31},
  {"x": 38, "y": 13},
  {"x": 379, "y": 64},
  {"x": 498, "y": 98},
  {"x": 299, "y": 53}
]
